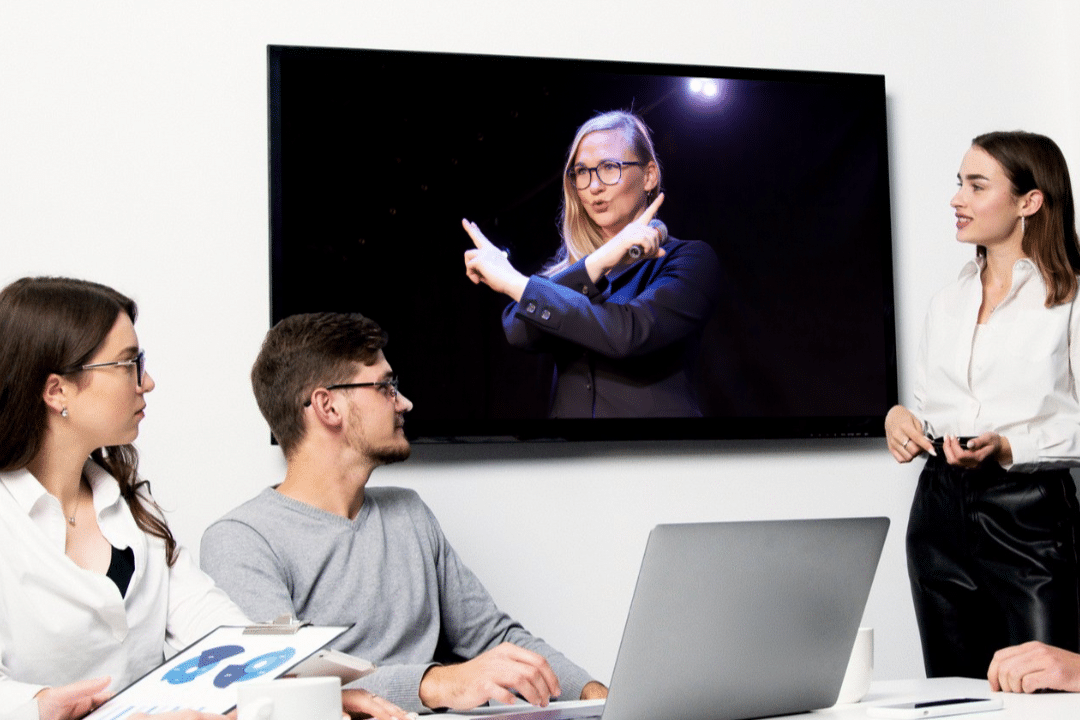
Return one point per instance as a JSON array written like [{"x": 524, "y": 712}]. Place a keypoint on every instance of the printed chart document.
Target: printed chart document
[{"x": 204, "y": 675}]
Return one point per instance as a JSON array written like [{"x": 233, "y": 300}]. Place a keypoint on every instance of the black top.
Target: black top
[{"x": 121, "y": 568}]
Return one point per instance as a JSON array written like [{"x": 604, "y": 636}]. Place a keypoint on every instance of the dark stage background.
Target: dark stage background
[{"x": 376, "y": 156}]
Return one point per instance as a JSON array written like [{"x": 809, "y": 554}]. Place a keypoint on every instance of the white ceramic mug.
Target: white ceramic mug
[
  {"x": 313, "y": 698},
  {"x": 860, "y": 668}
]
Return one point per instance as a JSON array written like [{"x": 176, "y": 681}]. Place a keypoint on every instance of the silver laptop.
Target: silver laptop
[{"x": 739, "y": 620}]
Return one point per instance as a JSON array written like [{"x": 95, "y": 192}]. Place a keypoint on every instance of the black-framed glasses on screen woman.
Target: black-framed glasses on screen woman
[
  {"x": 389, "y": 388},
  {"x": 609, "y": 172},
  {"x": 138, "y": 362}
]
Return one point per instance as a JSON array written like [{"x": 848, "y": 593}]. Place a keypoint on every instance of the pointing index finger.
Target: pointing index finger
[
  {"x": 478, "y": 238},
  {"x": 651, "y": 210}
]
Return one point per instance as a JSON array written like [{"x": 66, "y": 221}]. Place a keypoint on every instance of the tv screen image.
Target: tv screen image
[{"x": 377, "y": 155}]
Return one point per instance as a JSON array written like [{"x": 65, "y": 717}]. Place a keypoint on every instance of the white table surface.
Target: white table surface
[
  {"x": 1040, "y": 706},
  {"x": 1043, "y": 706}
]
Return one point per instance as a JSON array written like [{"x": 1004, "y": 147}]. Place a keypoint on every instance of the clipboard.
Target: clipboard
[{"x": 204, "y": 675}]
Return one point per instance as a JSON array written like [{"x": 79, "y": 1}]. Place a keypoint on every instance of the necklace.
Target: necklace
[{"x": 71, "y": 518}]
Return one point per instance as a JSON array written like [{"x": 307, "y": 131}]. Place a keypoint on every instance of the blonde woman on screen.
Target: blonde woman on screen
[{"x": 621, "y": 306}]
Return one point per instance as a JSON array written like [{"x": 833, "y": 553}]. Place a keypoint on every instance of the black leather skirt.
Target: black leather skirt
[{"x": 992, "y": 558}]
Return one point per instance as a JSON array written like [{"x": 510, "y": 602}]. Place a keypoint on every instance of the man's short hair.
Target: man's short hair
[{"x": 305, "y": 352}]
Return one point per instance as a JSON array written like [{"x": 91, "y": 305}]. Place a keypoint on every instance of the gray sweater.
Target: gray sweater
[{"x": 390, "y": 573}]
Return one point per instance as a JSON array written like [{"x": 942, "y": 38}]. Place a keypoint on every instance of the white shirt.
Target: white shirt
[
  {"x": 27, "y": 711},
  {"x": 60, "y": 623},
  {"x": 1015, "y": 376}
]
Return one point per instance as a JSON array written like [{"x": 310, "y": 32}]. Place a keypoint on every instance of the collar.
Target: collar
[
  {"x": 24, "y": 489},
  {"x": 104, "y": 486},
  {"x": 29, "y": 494},
  {"x": 975, "y": 265}
]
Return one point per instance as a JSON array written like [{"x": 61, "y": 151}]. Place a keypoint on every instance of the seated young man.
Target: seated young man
[{"x": 327, "y": 549}]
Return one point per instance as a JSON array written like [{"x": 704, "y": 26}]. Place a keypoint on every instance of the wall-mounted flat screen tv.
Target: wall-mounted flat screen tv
[{"x": 778, "y": 178}]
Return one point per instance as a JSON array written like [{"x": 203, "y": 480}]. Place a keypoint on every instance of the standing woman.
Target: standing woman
[
  {"x": 620, "y": 306},
  {"x": 92, "y": 582},
  {"x": 992, "y": 538}
]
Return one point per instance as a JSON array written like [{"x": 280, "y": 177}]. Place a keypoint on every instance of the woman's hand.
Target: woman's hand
[
  {"x": 615, "y": 252},
  {"x": 904, "y": 435},
  {"x": 489, "y": 265},
  {"x": 978, "y": 449},
  {"x": 72, "y": 701}
]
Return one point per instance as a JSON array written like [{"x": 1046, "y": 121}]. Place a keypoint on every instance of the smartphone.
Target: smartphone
[
  {"x": 939, "y": 443},
  {"x": 935, "y": 708}
]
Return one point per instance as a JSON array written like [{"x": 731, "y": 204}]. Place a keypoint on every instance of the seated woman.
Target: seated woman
[{"x": 92, "y": 581}]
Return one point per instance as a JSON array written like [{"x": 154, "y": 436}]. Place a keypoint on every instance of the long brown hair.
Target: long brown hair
[
  {"x": 46, "y": 325},
  {"x": 1035, "y": 162}
]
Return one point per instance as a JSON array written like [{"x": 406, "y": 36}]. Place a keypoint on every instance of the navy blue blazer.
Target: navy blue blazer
[{"x": 626, "y": 346}]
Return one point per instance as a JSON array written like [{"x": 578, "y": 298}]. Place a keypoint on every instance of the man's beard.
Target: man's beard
[
  {"x": 395, "y": 450},
  {"x": 388, "y": 455}
]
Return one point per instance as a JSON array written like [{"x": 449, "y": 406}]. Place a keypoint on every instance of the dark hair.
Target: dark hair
[
  {"x": 1035, "y": 162},
  {"x": 302, "y": 353},
  {"x": 47, "y": 325}
]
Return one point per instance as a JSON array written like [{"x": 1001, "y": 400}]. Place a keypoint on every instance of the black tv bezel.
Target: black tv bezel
[{"x": 467, "y": 430}]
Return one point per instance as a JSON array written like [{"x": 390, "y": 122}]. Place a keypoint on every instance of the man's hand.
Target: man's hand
[
  {"x": 594, "y": 691},
  {"x": 360, "y": 703},
  {"x": 1034, "y": 666},
  {"x": 494, "y": 675}
]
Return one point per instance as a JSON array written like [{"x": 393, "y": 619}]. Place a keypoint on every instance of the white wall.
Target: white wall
[{"x": 133, "y": 152}]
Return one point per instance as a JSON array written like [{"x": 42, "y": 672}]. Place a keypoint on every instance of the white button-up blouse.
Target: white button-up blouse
[
  {"x": 1014, "y": 375},
  {"x": 60, "y": 623}
]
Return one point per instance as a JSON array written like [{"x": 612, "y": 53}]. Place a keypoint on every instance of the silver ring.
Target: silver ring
[{"x": 905, "y": 443}]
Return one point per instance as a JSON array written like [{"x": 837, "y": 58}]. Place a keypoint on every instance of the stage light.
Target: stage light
[{"x": 705, "y": 87}]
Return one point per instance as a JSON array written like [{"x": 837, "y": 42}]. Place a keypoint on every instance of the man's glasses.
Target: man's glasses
[
  {"x": 138, "y": 362},
  {"x": 608, "y": 172},
  {"x": 388, "y": 388}
]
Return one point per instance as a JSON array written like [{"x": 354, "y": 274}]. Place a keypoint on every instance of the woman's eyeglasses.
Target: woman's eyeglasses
[
  {"x": 609, "y": 172},
  {"x": 389, "y": 388},
  {"x": 138, "y": 362}
]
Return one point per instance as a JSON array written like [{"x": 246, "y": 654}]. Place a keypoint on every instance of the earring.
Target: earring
[
  {"x": 1023, "y": 224},
  {"x": 64, "y": 413}
]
